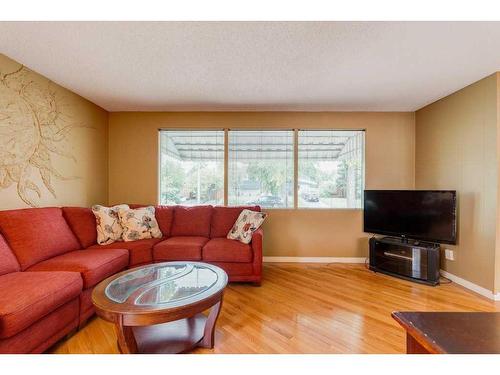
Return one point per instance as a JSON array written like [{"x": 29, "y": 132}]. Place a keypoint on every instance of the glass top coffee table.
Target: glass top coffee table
[{"x": 158, "y": 308}]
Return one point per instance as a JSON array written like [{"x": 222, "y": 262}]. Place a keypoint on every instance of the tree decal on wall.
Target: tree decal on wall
[{"x": 33, "y": 129}]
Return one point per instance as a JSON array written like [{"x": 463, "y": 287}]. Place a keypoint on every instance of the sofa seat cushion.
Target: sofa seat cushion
[
  {"x": 224, "y": 250},
  {"x": 36, "y": 234},
  {"x": 26, "y": 297},
  {"x": 45, "y": 332},
  {"x": 191, "y": 221},
  {"x": 179, "y": 248},
  {"x": 141, "y": 251},
  {"x": 82, "y": 222},
  {"x": 8, "y": 262},
  {"x": 94, "y": 265},
  {"x": 223, "y": 219}
]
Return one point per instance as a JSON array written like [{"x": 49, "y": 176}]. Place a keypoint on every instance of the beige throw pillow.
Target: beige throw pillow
[
  {"x": 139, "y": 223},
  {"x": 247, "y": 223},
  {"x": 109, "y": 228}
]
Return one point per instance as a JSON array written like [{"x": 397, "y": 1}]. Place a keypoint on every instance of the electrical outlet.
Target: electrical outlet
[{"x": 448, "y": 254}]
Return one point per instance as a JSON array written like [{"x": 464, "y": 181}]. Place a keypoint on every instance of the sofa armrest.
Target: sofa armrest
[{"x": 257, "y": 240}]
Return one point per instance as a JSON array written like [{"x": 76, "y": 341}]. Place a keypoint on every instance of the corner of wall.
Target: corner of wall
[
  {"x": 497, "y": 247},
  {"x": 108, "y": 116},
  {"x": 414, "y": 119}
]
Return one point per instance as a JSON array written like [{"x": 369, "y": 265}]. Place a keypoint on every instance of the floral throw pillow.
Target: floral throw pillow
[
  {"x": 109, "y": 228},
  {"x": 139, "y": 223},
  {"x": 247, "y": 223}
]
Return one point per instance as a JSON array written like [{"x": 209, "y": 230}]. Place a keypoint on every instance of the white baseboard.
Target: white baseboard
[
  {"x": 471, "y": 286},
  {"x": 314, "y": 260}
]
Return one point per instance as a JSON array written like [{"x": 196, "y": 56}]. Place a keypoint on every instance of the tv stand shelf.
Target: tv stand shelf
[
  {"x": 408, "y": 259},
  {"x": 409, "y": 242}
]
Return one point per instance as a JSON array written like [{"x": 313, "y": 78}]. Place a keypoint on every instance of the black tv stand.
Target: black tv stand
[{"x": 406, "y": 258}]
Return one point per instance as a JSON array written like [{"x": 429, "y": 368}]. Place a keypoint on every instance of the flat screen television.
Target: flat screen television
[{"x": 428, "y": 215}]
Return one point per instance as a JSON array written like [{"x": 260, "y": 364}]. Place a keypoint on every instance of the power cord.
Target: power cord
[
  {"x": 366, "y": 263},
  {"x": 447, "y": 281}
]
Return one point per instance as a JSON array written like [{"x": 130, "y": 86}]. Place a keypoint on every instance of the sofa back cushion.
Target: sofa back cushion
[
  {"x": 8, "y": 262},
  {"x": 165, "y": 217},
  {"x": 81, "y": 220},
  {"x": 36, "y": 234},
  {"x": 191, "y": 221},
  {"x": 223, "y": 219},
  {"x": 136, "y": 205}
]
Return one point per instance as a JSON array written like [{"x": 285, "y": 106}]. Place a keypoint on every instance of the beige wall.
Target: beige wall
[
  {"x": 497, "y": 253},
  {"x": 390, "y": 150},
  {"x": 54, "y": 151},
  {"x": 456, "y": 148},
  {"x": 53, "y": 143}
]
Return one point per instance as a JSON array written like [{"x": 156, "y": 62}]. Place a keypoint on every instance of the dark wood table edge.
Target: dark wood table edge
[
  {"x": 416, "y": 341},
  {"x": 147, "y": 317}
]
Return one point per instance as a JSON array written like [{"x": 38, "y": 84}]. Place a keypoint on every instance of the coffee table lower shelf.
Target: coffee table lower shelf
[
  {"x": 172, "y": 322},
  {"x": 178, "y": 336}
]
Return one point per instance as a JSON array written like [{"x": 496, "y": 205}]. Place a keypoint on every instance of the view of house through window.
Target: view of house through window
[
  {"x": 261, "y": 168},
  {"x": 192, "y": 167},
  {"x": 331, "y": 170}
]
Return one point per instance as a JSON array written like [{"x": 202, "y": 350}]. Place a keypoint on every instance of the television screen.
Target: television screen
[{"x": 428, "y": 215}]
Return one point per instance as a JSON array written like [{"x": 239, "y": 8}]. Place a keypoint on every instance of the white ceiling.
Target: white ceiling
[{"x": 310, "y": 66}]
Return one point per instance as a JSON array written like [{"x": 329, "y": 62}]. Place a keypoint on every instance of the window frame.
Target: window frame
[
  {"x": 158, "y": 155},
  {"x": 295, "y": 152},
  {"x": 363, "y": 169},
  {"x": 294, "y": 172}
]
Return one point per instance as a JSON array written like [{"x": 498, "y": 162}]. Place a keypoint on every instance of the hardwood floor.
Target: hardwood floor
[{"x": 335, "y": 308}]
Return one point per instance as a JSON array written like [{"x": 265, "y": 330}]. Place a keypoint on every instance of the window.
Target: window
[
  {"x": 330, "y": 168},
  {"x": 260, "y": 168},
  {"x": 191, "y": 167}
]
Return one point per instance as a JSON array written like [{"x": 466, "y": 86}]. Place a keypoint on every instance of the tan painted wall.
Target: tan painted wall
[
  {"x": 456, "y": 148},
  {"x": 497, "y": 253},
  {"x": 46, "y": 130},
  {"x": 450, "y": 144},
  {"x": 390, "y": 150}
]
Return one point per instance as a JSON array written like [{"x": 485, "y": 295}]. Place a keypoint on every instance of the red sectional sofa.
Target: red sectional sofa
[{"x": 50, "y": 261}]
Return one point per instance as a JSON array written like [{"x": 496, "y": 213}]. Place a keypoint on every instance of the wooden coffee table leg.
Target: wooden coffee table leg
[
  {"x": 209, "y": 333},
  {"x": 126, "y": 339}
]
